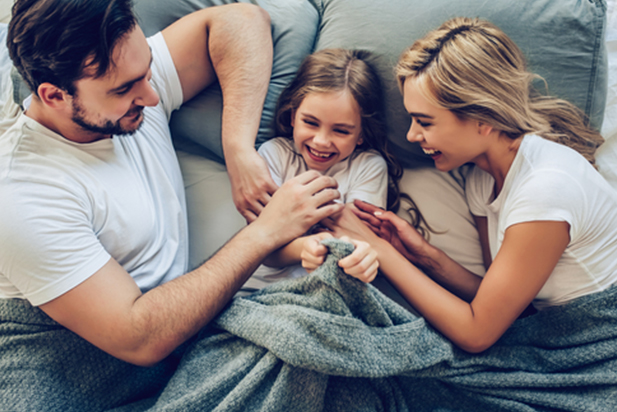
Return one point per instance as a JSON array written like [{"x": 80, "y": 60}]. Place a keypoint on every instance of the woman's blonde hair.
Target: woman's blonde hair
[{"x": 472, "y": 68}]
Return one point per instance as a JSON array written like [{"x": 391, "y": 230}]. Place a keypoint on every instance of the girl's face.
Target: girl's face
[
  {"x": 451, "y": 142},
  {"x": 326, "y": 128}
]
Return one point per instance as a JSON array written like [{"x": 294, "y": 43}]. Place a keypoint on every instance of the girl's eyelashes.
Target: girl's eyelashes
[{"x": 314, "y": 123}]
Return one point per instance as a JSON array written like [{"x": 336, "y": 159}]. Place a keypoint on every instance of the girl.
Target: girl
[
  {"x": 330, "y": 118},
  {"x": 545, "y": 216}
]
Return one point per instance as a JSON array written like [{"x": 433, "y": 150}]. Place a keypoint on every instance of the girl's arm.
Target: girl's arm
[
  {"x": 528, "y": 255},
  {"x": 287, "y": 255},
  {"x": 307, "y": 250}
]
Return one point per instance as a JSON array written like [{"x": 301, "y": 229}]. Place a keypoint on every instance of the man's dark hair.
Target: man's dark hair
[{"x": 62, "y": 41}]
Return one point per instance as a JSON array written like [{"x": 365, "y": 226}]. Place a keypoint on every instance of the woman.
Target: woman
[{"x": 545, "y": 216}]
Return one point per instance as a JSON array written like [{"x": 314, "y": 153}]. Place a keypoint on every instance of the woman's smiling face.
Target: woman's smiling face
[
  {"x": 326, "y": 128},
  {"x": 450, "y": 141}
]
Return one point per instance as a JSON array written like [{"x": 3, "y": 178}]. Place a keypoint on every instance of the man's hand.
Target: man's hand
[
  {"x": 298, "y": 205},
  {"x": 231, "y": 44},
  {"x": 251, "y": 183}
]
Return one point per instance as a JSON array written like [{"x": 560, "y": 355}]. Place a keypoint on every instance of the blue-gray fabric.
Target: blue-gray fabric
[{"x": 324, "y": 342}]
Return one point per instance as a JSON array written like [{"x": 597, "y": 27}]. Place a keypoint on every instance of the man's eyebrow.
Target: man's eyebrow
[{"x": 130, "y": 83}]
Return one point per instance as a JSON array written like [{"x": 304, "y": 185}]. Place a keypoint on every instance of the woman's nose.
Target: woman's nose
[{"x": 414, "y": 135}]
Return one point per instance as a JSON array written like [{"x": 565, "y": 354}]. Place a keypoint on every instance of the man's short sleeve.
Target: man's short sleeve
[
  {"x": 48, "y": 246},
  {"x": 165, "y": 78}
]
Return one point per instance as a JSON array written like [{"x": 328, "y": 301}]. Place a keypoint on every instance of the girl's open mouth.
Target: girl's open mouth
[{"x": 319, "y": 156}]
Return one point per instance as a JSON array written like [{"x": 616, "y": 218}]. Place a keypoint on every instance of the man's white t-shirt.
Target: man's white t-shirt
[
  {"x": 551, "y": 182},
  {"x": 66, "y": 208},
  {"x": 363, "y": 176}
]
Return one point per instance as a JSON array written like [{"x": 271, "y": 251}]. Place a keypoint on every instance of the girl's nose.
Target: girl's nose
[{"x": 321, "y": 138}]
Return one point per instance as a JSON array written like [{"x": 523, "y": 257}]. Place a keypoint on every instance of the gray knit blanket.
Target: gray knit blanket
[{"x": 326, "y": 342}]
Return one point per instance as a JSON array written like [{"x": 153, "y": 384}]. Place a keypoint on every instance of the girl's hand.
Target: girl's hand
[
  {"x": 362, "y": 263},
  {"x": 313, "y": 252}
]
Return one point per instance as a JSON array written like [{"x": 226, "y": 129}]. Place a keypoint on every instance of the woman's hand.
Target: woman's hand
[
  {"x": 346, "y": 223},
  {"x": 367, "y": 222},
  {"x": 395, "y": 230}
]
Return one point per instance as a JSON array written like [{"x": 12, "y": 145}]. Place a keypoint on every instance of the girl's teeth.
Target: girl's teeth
[
  {"x": 318, "y": 154},
  {"x": 430, "y": 151}
]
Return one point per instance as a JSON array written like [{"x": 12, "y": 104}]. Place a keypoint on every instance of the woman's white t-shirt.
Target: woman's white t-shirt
[{"x": 551, "y": 182}]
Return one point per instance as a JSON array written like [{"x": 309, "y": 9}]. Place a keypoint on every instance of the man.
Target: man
[{"x": 93, "y": 228}]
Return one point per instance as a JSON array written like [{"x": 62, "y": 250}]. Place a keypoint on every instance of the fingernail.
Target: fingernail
[{"x": 378, "y": 213}]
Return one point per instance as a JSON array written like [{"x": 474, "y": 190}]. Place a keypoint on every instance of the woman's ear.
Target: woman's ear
[
  {"x": 53, "y": 96},
  {"x": 484, "y": 129}
]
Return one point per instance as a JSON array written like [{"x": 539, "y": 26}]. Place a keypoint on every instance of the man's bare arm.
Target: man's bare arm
[
  {"x": 109, "y": 310},
  {"x": 233, "y": 44}
]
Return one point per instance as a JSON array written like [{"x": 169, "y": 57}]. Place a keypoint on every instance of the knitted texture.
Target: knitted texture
[{"x": 326, "y": 342}]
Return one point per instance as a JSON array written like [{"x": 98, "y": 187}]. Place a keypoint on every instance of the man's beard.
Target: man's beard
[{"x": 108, "y": 127}]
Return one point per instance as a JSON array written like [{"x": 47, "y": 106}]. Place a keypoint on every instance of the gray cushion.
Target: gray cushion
[
  {"x": 294, "y": 27},
  {"x": 562, "y": 40}
]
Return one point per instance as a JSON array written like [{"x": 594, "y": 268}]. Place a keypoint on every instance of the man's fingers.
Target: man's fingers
[
  {"x": 328, "y": 210},
  {"x": 325, "y": 197},
  {"x": 248, "y": 215},
  {"x": 307, "y": 177},
  {"x": 316, "y": 182}
]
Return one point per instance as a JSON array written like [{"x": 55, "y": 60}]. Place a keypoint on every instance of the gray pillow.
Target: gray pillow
[
  {"x": 562, "y": 40},
  {"x": 294, "y": 27}
]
